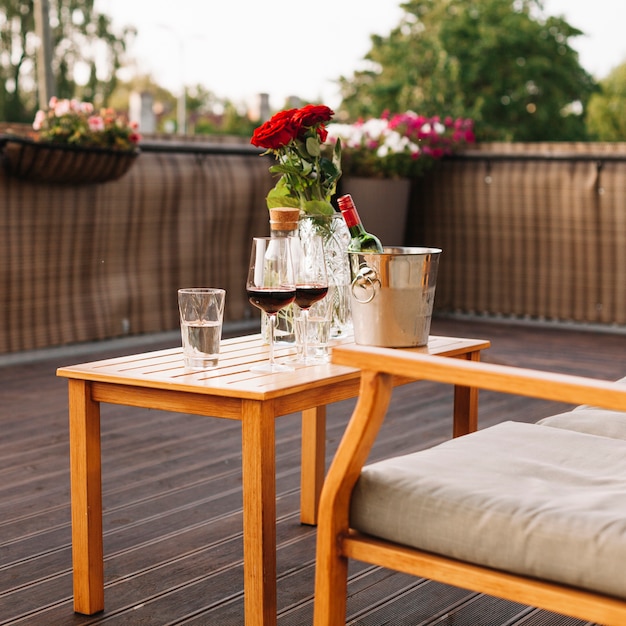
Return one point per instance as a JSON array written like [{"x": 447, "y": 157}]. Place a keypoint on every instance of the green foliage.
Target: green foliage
[
  {"x": 77, "y": 30},
  {"x": 606, "y": 113},
  {"x": 235, "y": 122},
  {"x": 501, "y": 63}
]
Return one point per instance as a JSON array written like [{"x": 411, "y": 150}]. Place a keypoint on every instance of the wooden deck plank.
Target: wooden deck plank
[{"x": 172, "y": 497}]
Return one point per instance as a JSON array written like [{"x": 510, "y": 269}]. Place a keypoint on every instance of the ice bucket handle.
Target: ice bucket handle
[{"x": 365, "y": 284}]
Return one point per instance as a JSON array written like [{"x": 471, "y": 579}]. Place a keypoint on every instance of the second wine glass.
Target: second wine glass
[
  {"x": 311, "y": 286},
  {"x": 271, "y": 286}
]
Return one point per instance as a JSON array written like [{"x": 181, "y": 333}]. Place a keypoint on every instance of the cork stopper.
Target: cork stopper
[{"x": 284, "y": 218}]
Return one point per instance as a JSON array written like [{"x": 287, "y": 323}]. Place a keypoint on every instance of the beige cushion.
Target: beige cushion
[
  {"x": 591, "y": 419},
  {"x": 542, "y": 502}
]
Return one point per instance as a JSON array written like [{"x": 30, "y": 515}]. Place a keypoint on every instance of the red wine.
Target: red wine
[
  {"x": 306, "y": 295},
  {"x": 271, "y": 299}
]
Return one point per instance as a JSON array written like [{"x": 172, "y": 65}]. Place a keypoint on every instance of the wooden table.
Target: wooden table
[{"x": 158, "y": 380}]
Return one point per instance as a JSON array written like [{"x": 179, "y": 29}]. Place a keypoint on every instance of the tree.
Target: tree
[
  {"x": 80, "y": 36},
  {"x": 606, "y": 113},
  {"x": 501, "y": 62}
]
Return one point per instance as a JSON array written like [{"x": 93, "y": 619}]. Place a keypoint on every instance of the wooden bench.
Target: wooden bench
[{"x": 526, "y": 512}]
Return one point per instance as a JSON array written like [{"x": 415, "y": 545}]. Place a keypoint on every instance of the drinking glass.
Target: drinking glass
[
  {"x": 311, "y": 285},
  {"x": 271, "y": 287},
  {"x": 201, "y": 314}
]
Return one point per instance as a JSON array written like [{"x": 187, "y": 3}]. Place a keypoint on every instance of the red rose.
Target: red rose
[
  {"x": 277, "y": 132},
  {"x": 312, "y": 114}
]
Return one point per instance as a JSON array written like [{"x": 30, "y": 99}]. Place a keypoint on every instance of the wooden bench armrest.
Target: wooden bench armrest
[{"x": 502, "y": 378}]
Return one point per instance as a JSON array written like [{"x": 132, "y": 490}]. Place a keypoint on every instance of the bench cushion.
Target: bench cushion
[
  {"x": 591, "y": 419},
  {"x": 542, "y": 502}
]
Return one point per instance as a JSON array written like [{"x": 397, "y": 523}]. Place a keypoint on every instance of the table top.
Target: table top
[{"x": 164, "y": 369}]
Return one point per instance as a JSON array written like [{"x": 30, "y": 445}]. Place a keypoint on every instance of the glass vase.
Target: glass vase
[{"x": 335, "y": 235}]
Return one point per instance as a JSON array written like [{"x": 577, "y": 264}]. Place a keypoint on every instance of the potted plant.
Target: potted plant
[
  {"x": 380, "y": 156},
  {"x": 307, "y": 177},
  {"x": 73, "y": 143}
]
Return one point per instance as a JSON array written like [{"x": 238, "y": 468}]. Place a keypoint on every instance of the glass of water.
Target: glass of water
[{"x": 201, "y": 315}]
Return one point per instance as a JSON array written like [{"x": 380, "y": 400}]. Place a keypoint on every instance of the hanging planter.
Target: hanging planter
[
  {"x": 72, "y": 144},
  {"x": 45, "y": 162}
]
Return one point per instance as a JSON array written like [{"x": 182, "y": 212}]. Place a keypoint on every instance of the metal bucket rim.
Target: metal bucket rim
[{"x": 400, "y": 251}]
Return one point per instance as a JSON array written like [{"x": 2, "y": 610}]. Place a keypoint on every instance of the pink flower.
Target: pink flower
[
  {"x": 96, "y": 123},
  {"x": 61, "y": 107},
  {"x": 400, "y": 144},
  {"x": 40, "y": 117},
  {"x": 77, "y": 123}
]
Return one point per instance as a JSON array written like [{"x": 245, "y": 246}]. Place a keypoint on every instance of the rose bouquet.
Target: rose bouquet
[
  {"x": 307, "y": 178},
  {"x": 70, "y": 122},
  {"x": 398, "y": 146}
]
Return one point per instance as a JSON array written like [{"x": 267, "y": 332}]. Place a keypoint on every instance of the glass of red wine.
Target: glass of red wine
[
  {"x": 271, "y": 287},
  {"x": 311, "y": 286}
]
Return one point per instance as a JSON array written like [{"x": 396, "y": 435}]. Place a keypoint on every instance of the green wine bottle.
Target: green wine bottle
[{"x": 361, "y": 240}]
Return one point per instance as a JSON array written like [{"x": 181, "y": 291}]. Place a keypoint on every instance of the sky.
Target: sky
[{"x": 240, "y": 48}]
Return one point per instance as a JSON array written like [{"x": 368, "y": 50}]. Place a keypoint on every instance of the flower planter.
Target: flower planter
[
  {"x": 64, "y": 164},
  {"x": 383, "y": 205}
]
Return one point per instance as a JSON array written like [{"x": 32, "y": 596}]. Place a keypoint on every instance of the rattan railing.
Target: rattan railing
[
  {"x": 528, "y": 231},
  {"x": 87, "y": 262}
]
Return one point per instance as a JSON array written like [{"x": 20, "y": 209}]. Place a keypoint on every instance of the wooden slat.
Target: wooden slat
[
  {"x": 574, "y": 602},
  {"x": 233, "y": 378}
]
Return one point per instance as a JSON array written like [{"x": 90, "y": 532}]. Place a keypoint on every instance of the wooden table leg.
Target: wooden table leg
[
  {"x": 259, "y": 512},
  {"x": 313, "y": 465},
  {"x": 466, "y": 404},
  {"x": 86, "y": 491}
]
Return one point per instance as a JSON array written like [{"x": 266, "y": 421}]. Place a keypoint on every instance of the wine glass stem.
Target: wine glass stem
[
  {"x": 272, "y": 321},
  {"x": 305, "y": 339}
]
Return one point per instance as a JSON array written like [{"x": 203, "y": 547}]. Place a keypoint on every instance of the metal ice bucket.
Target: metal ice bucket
[{"x": 392, "y": 296}]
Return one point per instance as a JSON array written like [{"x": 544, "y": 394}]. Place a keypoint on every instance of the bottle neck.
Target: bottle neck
[
  {"x": 281, "y": 234},
  {"x": 353, "y": 221}
]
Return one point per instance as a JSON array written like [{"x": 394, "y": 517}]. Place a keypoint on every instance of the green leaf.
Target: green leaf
[
  {"x": 280, "y": 196},
  {"x": 318, "y": 207},
  {"x": 313, "y": 146},
  {"x": 337, "y": 156}
]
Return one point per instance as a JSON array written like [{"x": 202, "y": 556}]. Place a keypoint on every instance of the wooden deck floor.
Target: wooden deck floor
[{"x": 172, "y": 498}]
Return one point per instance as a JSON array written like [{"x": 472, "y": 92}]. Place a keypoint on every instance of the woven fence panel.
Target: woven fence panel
[
  {"x": 81, "y": 263},
  {"x": 539, "y": 238}
]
